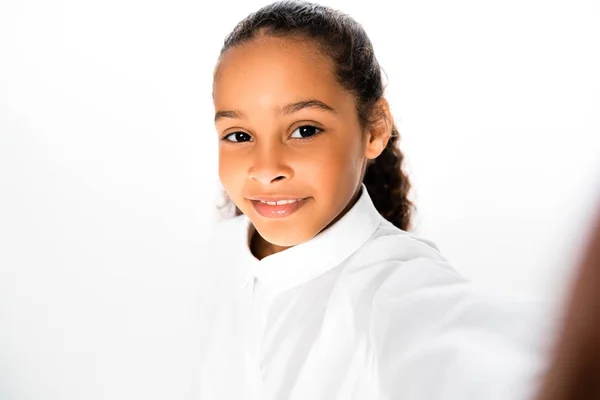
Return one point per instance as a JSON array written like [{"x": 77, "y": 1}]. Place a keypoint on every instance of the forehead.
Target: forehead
[{"x": 268, "y": 71}]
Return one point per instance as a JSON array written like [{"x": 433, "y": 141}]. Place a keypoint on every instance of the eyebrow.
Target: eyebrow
[{"x": 285, "y": 110}]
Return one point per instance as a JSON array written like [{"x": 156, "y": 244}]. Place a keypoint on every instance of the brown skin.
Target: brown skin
[{"x": 273, "y": 156}]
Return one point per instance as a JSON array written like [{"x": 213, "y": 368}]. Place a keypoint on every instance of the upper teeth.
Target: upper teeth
[{"x": 280, "y": 202}]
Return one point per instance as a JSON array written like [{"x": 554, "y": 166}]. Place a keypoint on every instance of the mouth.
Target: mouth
[
  {"x": 277, "y": 207},
  {"x": 277, "y": 202}
]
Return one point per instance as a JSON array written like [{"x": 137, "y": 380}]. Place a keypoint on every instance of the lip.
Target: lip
[{"x": 277, "y": 211}]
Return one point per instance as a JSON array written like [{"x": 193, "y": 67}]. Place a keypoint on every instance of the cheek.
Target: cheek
[
  {"x": 335, "y": 165},
  {"x": 229, "y": 172}
]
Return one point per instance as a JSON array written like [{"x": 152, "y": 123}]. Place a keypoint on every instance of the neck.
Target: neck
[{"x": 261, "y": 248}]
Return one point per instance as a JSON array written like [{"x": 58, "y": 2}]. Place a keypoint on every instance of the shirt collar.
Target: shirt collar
[{"x": 291, "y": 267}]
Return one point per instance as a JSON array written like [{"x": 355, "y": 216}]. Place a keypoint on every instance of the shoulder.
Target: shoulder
[
  {"x": 426, "y": 320},
  {"x": 399, "y": 263},
  {"x": 398, "y": 279},
  {"x": 412, "y": 280},
  {"x": 415, "y": 293},
  {"x": 389, "y": 242}
]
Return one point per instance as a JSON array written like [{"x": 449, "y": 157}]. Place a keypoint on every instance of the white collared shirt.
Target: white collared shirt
[{"x": 363, "y": 310}]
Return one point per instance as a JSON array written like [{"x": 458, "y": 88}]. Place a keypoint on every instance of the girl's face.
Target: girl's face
[{"x": 288, "y": 130}]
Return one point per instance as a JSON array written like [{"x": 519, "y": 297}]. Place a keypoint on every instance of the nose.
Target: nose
[{"x": 269, "y": 164}]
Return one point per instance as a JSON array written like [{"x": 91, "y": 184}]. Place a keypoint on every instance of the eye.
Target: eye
[
  {"x": 305, "y": 131},
  {"x": 237, "y": 137}
]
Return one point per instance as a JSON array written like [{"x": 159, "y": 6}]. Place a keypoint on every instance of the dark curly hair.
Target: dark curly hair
[{"x": 357, "y": 70}]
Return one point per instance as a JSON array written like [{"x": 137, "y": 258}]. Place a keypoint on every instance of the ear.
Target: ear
[{"x": 379, "y": 132}]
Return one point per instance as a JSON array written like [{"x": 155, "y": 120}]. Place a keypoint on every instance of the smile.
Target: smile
[
  {"x": 280, "y": 202},
  {"x": 277, "y": 208}
]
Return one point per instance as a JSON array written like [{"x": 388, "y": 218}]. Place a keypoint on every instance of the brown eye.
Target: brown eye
[
  {"x": 305, "y": 131},
  {"x": 237, "y": 137}
]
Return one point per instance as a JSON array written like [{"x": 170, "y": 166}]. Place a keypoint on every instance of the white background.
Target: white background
[{"x": 108, "y": 174}]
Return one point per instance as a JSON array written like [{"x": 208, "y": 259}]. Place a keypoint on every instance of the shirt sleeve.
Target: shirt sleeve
[{"x": 444, "y": 338}]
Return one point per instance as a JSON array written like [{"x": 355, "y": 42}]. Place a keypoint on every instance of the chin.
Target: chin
[{"x": 283, "y": 236}]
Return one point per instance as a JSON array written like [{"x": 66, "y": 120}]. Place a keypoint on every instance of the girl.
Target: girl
[{"x": 322, "y": 292}]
